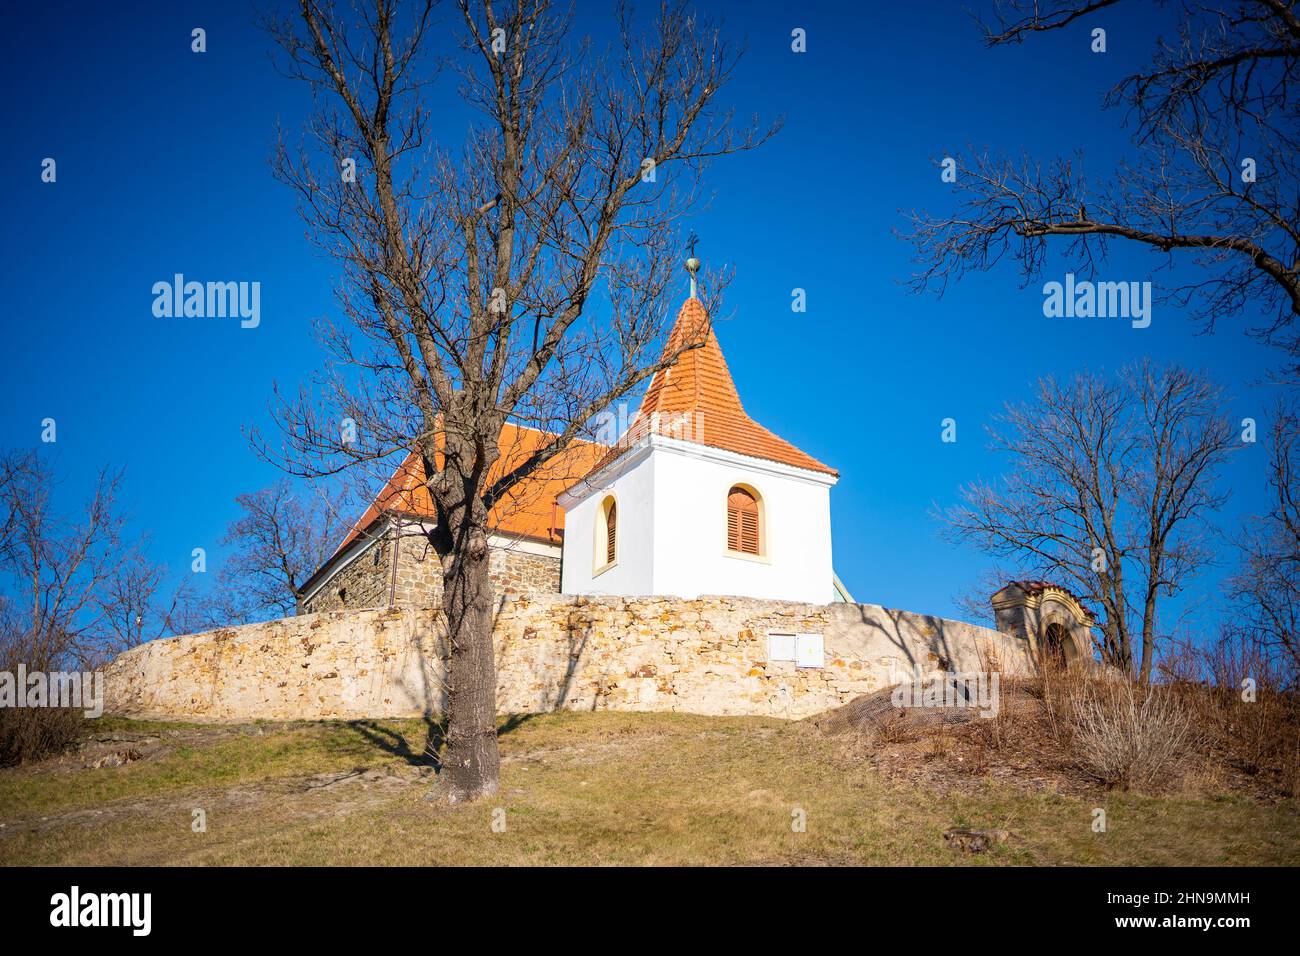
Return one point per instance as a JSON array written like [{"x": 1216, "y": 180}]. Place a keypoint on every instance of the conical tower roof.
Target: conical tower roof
[{"x": 696, "y": 400}]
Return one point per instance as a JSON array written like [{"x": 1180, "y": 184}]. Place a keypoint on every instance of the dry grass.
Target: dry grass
[
  {"x": 1079, "y": 733},
  {"x": 1250, "y": 725},
  {"x": 594, "y": 789},
  {"x": 1180, "y": 732}
]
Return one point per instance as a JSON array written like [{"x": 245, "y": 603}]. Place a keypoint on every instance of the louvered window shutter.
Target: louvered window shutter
[
  {"x": 611, "y": 533},
  {"x": 742, "y": 522}
]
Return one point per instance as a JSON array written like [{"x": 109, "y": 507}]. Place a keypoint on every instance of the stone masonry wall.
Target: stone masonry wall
[
  {"x": 365, "y": 582},
  {"x": 704, "y": 656},
  {"x": 518, "y": 573}
]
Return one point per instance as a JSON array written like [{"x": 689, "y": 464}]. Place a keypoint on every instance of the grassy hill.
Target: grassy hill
[{"x": 598, "y": 788}]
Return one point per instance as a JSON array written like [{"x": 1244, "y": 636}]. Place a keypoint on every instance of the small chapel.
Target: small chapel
[{"x": 694, "y": 498}]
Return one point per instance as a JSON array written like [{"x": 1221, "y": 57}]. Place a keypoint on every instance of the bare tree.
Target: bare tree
[
  {"x": 1109, "y": 487},
  {"x": 1217, "y": 175},
  {"x": 1268, "y": 585},
  {"x": 57, "y": 565},
  {"x": 137, "y": 604},
  {"x": 519, "y": 276},
  {"x": 973, "y": 600},
  {"x": 76, "y": 592},
  {"x": 280, "y": 539}
]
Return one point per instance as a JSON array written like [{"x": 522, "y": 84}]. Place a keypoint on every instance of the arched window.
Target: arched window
[
  {"x": 744, "y": 534},
  {"x": 606, "y": 542},
  {"x": 611, "y": 532}
]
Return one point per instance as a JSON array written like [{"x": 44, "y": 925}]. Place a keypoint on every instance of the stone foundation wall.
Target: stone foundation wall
[
  {"x": 365, "y": 583},
  {"x": 704, "y": 656}
]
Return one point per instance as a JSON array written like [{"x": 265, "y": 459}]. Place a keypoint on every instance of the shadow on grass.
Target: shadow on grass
[
  {"x": 514, "y": 722},
  {"x": 395, "y": 744}
]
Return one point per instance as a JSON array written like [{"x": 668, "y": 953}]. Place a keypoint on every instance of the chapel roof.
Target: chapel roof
[
  {"x": 528, "y": 510},
  {"x": 1036, "y": 588},
  {"x": 696, "y": 400}
]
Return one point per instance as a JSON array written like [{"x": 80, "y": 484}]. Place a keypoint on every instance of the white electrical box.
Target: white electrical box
[
  {"x": 810, "y": 650},
  {"x": 781, "y": 647}
]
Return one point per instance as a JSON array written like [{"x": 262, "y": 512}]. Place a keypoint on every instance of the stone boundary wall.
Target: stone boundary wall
[{"x": 703, "y": 656}]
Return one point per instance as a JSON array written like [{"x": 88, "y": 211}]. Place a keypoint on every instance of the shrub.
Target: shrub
[
  {"x": 30, "y": 733},
  {"x": 1127, "y": 736},
  {"x": 1258, "y": 733}
]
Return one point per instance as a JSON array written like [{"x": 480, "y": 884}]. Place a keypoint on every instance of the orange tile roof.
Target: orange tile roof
[
  {"x": 696, "y": 400},
  {"x": 528, "y": 510}
]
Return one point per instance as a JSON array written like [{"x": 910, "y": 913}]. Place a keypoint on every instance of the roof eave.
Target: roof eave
[{"x": 600, "y": 477}]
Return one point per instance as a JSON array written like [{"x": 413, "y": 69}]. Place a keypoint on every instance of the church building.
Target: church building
[{"x": 694, "y": 498}]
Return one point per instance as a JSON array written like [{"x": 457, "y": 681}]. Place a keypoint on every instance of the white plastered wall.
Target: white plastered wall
[
  {"x": 672, "y": 527},
  {"x": 631, "y": 481}
]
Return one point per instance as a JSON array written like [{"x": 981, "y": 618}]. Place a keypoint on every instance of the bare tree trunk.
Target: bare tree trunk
[
  {"x": 1148, "y": 634},
  {"x": 472, "y": 762},
  {"x": 1126, "y": 467},
  {"x": 1268, "y": 584}
]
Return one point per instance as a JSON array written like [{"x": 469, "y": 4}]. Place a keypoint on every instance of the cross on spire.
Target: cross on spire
[{"x": 692, "y": 263}]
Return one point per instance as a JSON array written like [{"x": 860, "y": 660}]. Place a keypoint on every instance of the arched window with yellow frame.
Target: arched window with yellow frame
[{"x": 605, "y": 550}]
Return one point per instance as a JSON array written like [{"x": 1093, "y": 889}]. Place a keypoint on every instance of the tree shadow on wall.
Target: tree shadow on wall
[
  {"x": 432, "y": 694},
  {"x": 936, "y": 641},
  {"x": 578, "y": 633}
]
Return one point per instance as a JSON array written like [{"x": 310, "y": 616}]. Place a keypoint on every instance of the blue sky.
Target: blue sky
[{"x": 163, "y": 168}]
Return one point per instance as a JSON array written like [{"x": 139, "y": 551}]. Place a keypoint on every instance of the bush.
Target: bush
[
  {"x": 1127, "y": 736},
  {"x": 30, "y": 733},
  {"x": 1260, "y": 737}
]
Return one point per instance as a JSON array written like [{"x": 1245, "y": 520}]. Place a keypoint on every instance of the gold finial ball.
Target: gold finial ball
[{"x": 692, "y": 264}]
